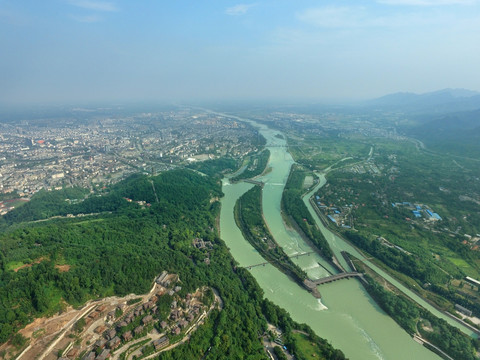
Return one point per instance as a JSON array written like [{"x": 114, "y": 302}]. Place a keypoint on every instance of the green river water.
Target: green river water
[{"x": 346, "y": 315}]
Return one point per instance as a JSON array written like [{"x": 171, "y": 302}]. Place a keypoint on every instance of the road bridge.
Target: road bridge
[
  {"x": 311, "y": 284},
  {"x": 328, "y": 279}
]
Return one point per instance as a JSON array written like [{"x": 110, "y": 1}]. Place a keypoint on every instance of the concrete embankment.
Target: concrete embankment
[{"x": 310, "y": 285}]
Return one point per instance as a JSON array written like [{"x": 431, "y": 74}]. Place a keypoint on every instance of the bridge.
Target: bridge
[
  {"x": 296, "y": 256},
  {"x": 311, "y": 285},
  {"x": 328, "y": 279}
]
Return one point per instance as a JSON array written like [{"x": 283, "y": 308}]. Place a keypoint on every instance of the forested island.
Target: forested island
[
  {"x": 295, "y": 209},
  {"x": 249, "y": 218},
  {"x": 256, "y": 165}
]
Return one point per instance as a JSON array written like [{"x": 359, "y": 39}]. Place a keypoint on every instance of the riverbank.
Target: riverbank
[
  {"x": 417, "y": 321},
  {"x": 346, "y": 315},
  {"x": 340, "y": 244},
  {"x": 389, "y": 271}
]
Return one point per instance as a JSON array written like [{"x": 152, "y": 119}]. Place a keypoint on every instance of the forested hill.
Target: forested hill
[
  {"x": 143, "y": 226},
  {"x": 113, "y": 253},
  {"x": 455, "y": 133},
  {"x": 175, "y": 189}
]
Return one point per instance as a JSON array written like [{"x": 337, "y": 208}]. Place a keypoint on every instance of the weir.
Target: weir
[
  {"x": 259, "y": 183},
  {"x": 311, "y": 285}
]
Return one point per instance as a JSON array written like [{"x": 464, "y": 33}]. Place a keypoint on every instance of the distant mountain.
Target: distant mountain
[
  {"x": 457, "y": 133},
  {"x": 467, "y": 120},
  {"x": 455, "y": 93},
  {"x": 442, "y": 101}
]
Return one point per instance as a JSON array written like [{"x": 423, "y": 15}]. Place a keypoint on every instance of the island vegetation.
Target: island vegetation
[
  {"x": 249, "y": 218},
  {"x": 215, "y": 167},
  {"x": 256, "y": 166},
  {"x": 296, "y": 211}
]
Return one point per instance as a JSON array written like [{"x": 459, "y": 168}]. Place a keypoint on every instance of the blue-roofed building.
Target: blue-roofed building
[
  {"x": 418, "y": 207},
  {"x": 393, "y": 205},
  {"x": 429, "y": 213},
  {"x": 332, "y": 218},
  {"x": 436, "y": 216},
  {"x": 417, "y": 213}
]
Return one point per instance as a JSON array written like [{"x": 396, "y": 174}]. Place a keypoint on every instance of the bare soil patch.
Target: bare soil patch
[
  {"x": 38, "y": 261},
  {"x": 63, "y": 268}
]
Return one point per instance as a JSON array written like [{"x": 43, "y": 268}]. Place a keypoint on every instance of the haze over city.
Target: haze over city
[{"x": 85, "y": 50}]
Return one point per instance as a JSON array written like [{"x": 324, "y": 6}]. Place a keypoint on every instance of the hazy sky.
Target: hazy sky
[{"x": 82, "y": 50}]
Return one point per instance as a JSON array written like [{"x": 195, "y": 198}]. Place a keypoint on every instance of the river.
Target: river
[{"x": 346, "y": 315}]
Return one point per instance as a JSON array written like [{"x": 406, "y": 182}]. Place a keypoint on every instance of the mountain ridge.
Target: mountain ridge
[{"x": 445, "y": 100}]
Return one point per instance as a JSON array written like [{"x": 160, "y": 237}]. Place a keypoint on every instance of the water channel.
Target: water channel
[{"x": 346, "y": 315}]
